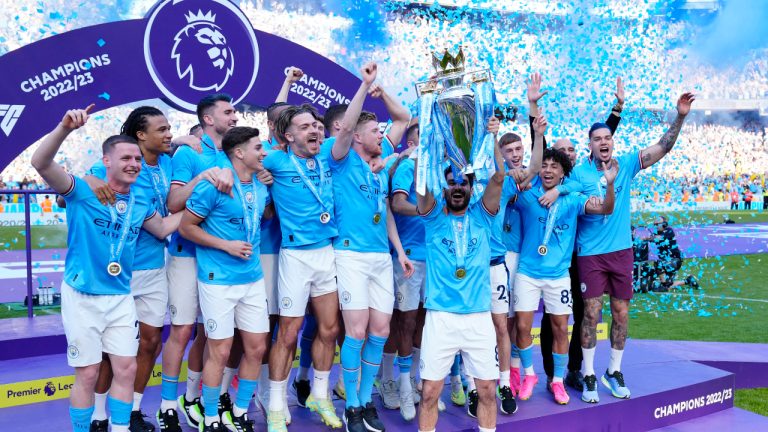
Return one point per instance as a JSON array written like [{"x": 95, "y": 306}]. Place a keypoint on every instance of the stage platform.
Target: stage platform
[{"x": 672, "y": 390}]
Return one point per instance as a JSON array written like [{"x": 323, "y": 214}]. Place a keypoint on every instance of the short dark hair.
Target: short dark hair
[
  {"x": 109, "y": 144},
  {"x": 194, "y": 129},
  {"x": 272, "y": 110},
  {"x": 137, "y": 120},
  {"x": 412, "y": 129},
  {"x": 596, "y": 126},
  {"x": 333, "y": 113},
  {"x": 284, "y": 121},
  {"x": 470, "y": 176},
  {"x": 236, "y": 136},
  {"x": 366, "y": 116},
  {"x": 208, "y": 102},
  {"x": 509, "y": 138},
  {"x": 559, "y": 157}
]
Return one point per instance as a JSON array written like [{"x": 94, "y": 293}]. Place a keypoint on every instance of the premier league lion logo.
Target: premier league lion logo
[
  {"x": 50, "y": 389},
  {"x": 202, "y": 54}
]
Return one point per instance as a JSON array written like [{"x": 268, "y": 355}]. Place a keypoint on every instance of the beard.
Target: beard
[{"x": 462, "y": 205}]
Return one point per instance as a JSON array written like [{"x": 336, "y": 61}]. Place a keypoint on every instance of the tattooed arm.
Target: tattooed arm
[{"x": 654, "y": 153}]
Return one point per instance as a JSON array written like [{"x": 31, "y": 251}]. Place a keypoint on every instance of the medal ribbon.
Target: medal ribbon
[
  {"x": 377, "y": 182},
  {"x": 316, "y": 191},
  {"x": 161, "y": 197},
  {"x": 251, "y": 219},
  {"x": 116, "y": 249},
  {"x": 460, "y": 244},
  {"x": 550, "y": 226}
]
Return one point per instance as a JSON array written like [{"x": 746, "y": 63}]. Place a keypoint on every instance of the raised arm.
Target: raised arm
[
  {"x": 615, "y": 116},
  {"x": 654, "y": 153},
  {"x": 534, "y": 94},
  {"x": 537, "y": 152},
  {"x": 492, "y": 194},
  {"x": 605, "y": 206},
  {"x": 294, "y": 74},
  {"x": 424, "y": 203},
  {"x": 42, "y": 159},
  {"x": 398, "y": 113},
  {"x": 349, "y": 121}
]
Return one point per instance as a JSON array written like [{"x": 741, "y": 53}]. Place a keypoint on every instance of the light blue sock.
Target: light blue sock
[
  {"x": 372, "y": 353},
  {"x": 561, "y": 362},
  {"x": 350, "y": 368},
  {"x": 307, "y": 336},
  {"x": 456, "y": 366},
  {"x": 526, "y": 356},
  {"x": 245, "y": 390},
  {"x": 119, "y": 411},
  {"x": 404, "y": 364},
  {"x": 211, "y": 400},
  {"x": 81, "y": 418},
  {"x": 168, "y": 387}
]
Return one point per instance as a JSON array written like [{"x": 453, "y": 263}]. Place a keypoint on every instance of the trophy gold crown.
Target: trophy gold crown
[{"x": 446, "y": 63}]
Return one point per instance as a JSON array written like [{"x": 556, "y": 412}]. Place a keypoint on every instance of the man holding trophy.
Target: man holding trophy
[{"x": 453, "y": 119}]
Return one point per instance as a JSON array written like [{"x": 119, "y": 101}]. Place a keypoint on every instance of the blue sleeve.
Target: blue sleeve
[
  {"x": 581, "y": 202},
  {"x": 509, "y": 188},
  {"x": 387, "y": 147},
  {"x": 273, "y": 158},
  {"x": 202, "y": 200},
  {"x": 98, "y": 170},
  {"x": 570, "y": 186},
  {"x": 479, "y": 211},
  {"x": 183, "y": 165},
  {"x": 403, "y": 178},
  {"x": 339, "y": 166},
  {"x": 434, "y": 212},
  {"x": 78, "y": 191},
  {"x": 631, "y": 162}
]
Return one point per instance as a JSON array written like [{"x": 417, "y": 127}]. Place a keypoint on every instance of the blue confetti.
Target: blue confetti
[
  {"x": 101, "y": 42},
  {"x": 105, "y": 96}
]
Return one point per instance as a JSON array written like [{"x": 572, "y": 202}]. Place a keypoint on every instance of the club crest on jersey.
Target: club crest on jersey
[
  {"x": 121, "y": 206},
  {"x": 583, "y": 287},
  {"x": 249, "y": 197}
]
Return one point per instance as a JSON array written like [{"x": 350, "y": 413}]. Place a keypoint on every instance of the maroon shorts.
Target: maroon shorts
[{"x": 606, "y": 273}]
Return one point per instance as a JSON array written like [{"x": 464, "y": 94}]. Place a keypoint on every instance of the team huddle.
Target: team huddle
[{"x": 248, "y": 240}]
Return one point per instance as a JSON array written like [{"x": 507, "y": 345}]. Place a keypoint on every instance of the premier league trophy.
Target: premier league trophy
[{"x": 454, "y": 108}]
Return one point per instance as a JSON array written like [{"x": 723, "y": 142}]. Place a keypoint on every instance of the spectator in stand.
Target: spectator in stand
[{"x": 642, "y": 269}]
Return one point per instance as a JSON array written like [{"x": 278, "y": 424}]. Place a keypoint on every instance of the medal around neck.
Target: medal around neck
[
  {"x": 325, "y": 217},
  {"x": 114, "y": 268},
  {"x": 460, "y": 273},
  {"x": 377, "y": 218},
  {"x": 543, "y": 250}
]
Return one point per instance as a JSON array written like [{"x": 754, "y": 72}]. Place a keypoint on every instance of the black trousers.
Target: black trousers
[{"x": 575, "y": 355}]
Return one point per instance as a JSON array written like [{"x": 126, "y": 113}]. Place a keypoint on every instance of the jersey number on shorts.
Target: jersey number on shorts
[
  {"x": 565, "y": 297},
  {"x": 502, "y": 290}
]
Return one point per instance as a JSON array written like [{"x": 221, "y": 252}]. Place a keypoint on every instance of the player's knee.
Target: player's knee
[
  {"x": 180, "y": 334},
  {"x": 485, "y": 390},
  {"x": 124, "y": 370},
  {"x": 219, "y": 352},
  {"x": 329, "y": 331},
  {"x": 87, "y": 375}
]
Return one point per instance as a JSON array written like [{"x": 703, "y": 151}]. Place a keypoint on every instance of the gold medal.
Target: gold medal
[
  {"x": 542, "y": 250},
  {"x": 377, "y": 218},
  {"x": 325, "y": 217},
  {"x": 460, "y": 273},
  {"x": 114, "y": 268}
]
